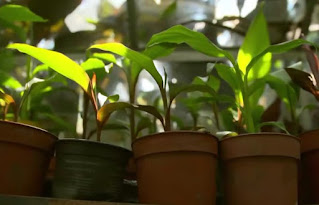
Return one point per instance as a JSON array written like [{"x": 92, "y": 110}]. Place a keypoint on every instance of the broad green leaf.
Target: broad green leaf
[
  {"x": 228, "y": 119},
  {"x": 212, "y": 82},
  {"x": 256, "y": 40},
  {"x": 143, "y": 61},
  {"x": 228, "y": 74},
  {"x": 58, "y": 62},
  {"x": 198, "y": 41},
  {"x": 276, "y": 49},
  {"x": 159, "y": 50},
  {"x": 255, "y": 91},
  {"x": 13, "y": 12},
  {"x": 105, "y": 57},
  {"x": 92, "y": 64},
  {"x": 9, "y": 81}
]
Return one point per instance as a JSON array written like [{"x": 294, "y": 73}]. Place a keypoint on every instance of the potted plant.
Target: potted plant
[
  {"x": 259, "y": 168},
  {"x": 25, "y": 150},
  {"x": 309, "y": 144}
]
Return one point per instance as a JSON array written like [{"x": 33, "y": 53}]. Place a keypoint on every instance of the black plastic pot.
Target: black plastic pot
[{"x": 89, "y": 170}]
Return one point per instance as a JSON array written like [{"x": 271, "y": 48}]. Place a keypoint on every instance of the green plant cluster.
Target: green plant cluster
[{"x": 247, "y": 76}]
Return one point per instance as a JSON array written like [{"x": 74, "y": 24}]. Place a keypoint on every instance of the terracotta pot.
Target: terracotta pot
[
  {"x": 309, "y": 192},
  {"x": 89, "y": 170},
  {"x": 25, "y": 152},
  {"x": 260, "y": 169},
  {"x": 175, "y": 168}
]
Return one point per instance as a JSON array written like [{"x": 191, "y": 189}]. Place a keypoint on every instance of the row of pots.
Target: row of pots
[{"x": 172, "y": 167}]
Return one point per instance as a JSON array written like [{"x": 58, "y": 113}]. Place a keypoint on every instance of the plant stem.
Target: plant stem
[
  {"x": 132, "y": 113},
  {"x": 85, "y": 115},
  {"x": 98, "y": 132}
]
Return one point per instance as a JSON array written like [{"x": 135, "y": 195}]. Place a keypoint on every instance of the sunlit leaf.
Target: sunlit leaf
[
  {"x": 92, "y": 64},
  {"x": 40, "y": 68},
  {"x": 256, "y": 40},
  {"x": 7, "y": 98},
  {"x": 113, "y": 98},
  {"x": 105, "y": 57},
  {"x": 57, "y": 61},
  {"x": 198, "y": 41},
  {"x": 13, "y": 12},
  {"x": 276, "y": 49},
  {"x": 9, "y": 81}
]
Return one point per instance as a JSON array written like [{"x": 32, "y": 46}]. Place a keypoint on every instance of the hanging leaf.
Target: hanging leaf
[
  {"x": 13, "y": 13},
  {"x": 106, "y": 110},
  {"x": 58, "y": 62},
  {"x": 256, "y": 40},
  {"x": 313, "y": 62},
  {"x": 280, "y": 125},
  {"x": 143, "y": 124},
  {"x": 304, "y": 80},
  {"x": 151, "y": 110}
]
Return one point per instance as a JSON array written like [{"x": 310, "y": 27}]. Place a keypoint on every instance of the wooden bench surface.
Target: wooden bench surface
[{"x": 24, "y": 200}]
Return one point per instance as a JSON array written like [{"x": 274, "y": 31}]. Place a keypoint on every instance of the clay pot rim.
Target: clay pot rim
[
  {"x": 261, "y": 133},
  {"x": 208, "y": 143},
  {"x": 30, "y": 127},
  {"x": 175, "y": 131},
  {"x": 308, "y": 131},
  {"x": 73, "y": 140}
]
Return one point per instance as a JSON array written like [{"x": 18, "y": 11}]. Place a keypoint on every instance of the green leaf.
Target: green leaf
[
  {"x": 257, "y": 112},
  {"x": 280, "y": 125},
  {"x": 151, "y": 110},
  {"x": 256, "y": 40},
  {"x": 8, "y": 81},
  {"x": 7, "y": 61},
  {"x": 283, "y": 90},
  {"x": 39, "y": 68},
  {"x": 276, "y": 49},
  {"x": 170, "y": 10},
  {"x": 198, "y": 41},
  {"x": 58, "y": 62},
  {"x": 255, "y": 91},
  {"x": 143, "y": 61},
  {"x": 105, "y": 57},
  {"x": 228, "y": 74},
  {"x": 159, "y": 50},
  {"x": 113, "y": 98},
  {"x": 13, "y": 12},
  {"x": 212, "y": 82},
  {"x": 92, "y": 64},
  {"x": 228, "y": 119},
  {"x": 191, "y": 88}
]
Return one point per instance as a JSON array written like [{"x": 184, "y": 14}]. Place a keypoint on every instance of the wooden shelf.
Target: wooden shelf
[{"x": 24, "y": 200}]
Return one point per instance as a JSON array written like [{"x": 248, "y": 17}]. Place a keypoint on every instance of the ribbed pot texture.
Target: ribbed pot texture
[
  {"x": 25, "y": 152},
  {"x": 89, "y": 170},
  {"x": 260, "y": 169},
  {"x": 175, "y": 168}
]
